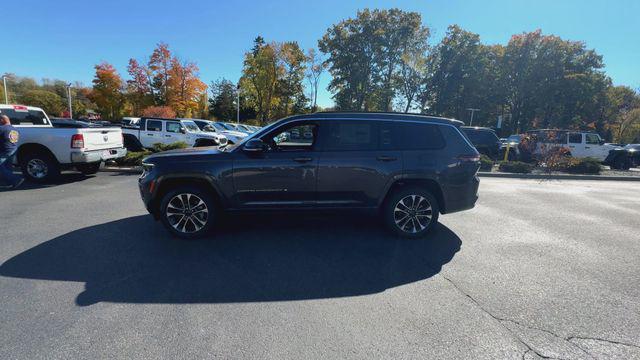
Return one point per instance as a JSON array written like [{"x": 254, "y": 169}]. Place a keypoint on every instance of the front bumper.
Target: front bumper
[{"x": 79, "y": 157}]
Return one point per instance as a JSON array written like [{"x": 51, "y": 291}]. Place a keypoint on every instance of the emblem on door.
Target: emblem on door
[{"x": 105, "y": 138}]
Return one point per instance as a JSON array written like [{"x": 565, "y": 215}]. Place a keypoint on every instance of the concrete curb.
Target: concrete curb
[
  {"x": 558, "y": 176},
  {"x": 124, "y": 169}
]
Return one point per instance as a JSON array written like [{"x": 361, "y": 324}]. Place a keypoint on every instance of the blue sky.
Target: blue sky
[{"x": 64, "y": 39}]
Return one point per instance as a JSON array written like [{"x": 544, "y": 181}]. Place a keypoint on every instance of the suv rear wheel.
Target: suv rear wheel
[
  {"x": 411, "y": 212},
  {"x": 187, "y": 212}
]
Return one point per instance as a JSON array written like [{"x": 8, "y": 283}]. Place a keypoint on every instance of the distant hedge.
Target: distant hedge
[{"x": 134, "y": 158}]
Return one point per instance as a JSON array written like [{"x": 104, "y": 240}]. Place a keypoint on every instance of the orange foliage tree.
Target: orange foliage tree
[
  {"x": 107, "y": 91},
  {"x": 159, "y": 111}
]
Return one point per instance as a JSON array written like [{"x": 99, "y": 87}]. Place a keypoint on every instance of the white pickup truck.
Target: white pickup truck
[
  {"x": 43, "y": 151},
  {"x": 582, "y": 144},
  {"x": 150, "y": 131}
]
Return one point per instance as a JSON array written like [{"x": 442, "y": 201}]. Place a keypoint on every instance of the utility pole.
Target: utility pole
[
  {"x": 238, "y": 103},
  {"x": 69, "y": 100},
  {"x": 472, "y": 112},
  {"x": 6, "y": 95}
]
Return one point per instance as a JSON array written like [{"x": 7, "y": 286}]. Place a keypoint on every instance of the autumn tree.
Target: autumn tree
[
  {"x": 185, "y": 89},
  {"x": 159, "y": 111},
  {"x": 139, "y": 93},
  {"x": 260, "y": 76},
  {"x": 107, "y": 91},
  {"x": 159, "y": 66}
]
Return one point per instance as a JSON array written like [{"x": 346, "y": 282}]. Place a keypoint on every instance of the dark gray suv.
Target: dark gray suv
[{"x": 410, "y": 167}]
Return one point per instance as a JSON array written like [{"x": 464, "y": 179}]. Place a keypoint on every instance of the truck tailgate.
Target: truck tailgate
[{"x": 102, "y": 138}]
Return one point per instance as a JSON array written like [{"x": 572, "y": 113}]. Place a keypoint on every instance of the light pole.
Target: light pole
[
  {"x": 6, "y": 95},
  {"x": 472, "y": 112},
  {"x": 69, "y": 100},
  {"x": 238, "y": 103}
]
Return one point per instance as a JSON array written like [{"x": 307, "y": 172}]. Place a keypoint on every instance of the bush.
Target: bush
[
  {"x": 133, "y": 158},
  {"x": 486, "y": 164},
  {"x": 518, "y": 167},
  {"x": 580, "y": 165},
  {"x": 158, "y": 147}
]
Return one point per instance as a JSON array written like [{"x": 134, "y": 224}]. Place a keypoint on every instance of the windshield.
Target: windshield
[
  {"x": 190, "y": 126},
  {"x": 220, "y": 126},
  {"x": 229, "y": 126}
]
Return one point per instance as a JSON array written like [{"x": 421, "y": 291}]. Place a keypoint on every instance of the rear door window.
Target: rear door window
[
  {"x": 154, "y": 125},
  {"x": 352, "y": 135},
  {"x": 409, "y": 136},
  {"x": 417, "y": 136},
  {"x": 575, "y": 138}
]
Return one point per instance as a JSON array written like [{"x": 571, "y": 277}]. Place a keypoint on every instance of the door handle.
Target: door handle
[
  {"x": 386, "y": 158},
  {"x": 167, "y": 136},
  {"x": 587, "y": 147},
  {"x": 302, "y": 159}
]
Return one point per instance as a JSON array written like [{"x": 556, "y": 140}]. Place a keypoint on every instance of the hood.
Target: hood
[{"x": 234, "y": 133}]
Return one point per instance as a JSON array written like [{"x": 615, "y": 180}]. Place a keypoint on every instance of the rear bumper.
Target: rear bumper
[
  {"x": 461, "y": 197},
  {"x": 97, "y": 155}
]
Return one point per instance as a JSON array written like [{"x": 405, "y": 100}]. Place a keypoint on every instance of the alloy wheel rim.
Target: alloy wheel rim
[
  {"x": 37, "y": 168},
  {"x": 412, "y": 214},
  {"x": 187, "y": 213}
]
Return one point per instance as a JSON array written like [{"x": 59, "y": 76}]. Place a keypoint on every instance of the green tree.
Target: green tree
[
  {"x": 365, "y": 56},
  {"x": 49, "y": 101},
  {"x": 552, "y": 82},
  {"x": 222, "y": 104},
  {"x": 462, "y": 74}
]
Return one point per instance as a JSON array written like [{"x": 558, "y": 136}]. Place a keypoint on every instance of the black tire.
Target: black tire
[
  {"x": 88, "y": 169},
  {"x": 418, "y": 213},
  {"x": 195, "y": 225},
  {"x": 40, "y": 167}
]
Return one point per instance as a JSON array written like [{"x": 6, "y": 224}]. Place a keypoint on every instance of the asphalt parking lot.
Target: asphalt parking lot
[{"x": 537, "y": 269}]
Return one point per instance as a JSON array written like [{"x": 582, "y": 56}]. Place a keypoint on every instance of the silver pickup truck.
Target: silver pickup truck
[{"x": 43, "y": 151}]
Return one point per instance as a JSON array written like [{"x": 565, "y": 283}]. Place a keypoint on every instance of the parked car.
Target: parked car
[
  {"x": 207, "y": 126},
  {"x": 234, "y": 137},
  {"x": 634, "y": 154},
  {"x": 484, "y": 139},
  {"x": 581, "y": 144},
  {"x": 44, "y": 150},
  {"x": 236, "y": 128},
  {"x": 410, "y": 167},
  {"x": 167, "y": 131}
]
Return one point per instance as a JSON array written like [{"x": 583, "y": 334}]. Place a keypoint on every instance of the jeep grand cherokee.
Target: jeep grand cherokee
[{"x": 410, "y": 167}]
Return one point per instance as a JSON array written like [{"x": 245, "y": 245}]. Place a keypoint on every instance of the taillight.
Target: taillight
[
  {"x": 469, "y": 158},
  {"x": 77, "y": 141}
]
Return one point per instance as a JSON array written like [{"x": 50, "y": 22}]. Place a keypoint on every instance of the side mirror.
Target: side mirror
[
  {"x": 601, "y": 142},
  {"x": 254, "y": 146},
  {"x": 183, "y": 130}
]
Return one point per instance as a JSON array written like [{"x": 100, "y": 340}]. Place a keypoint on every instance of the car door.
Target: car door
[
  {"x": 594, "y": 146},
  {"x": 172, "y": 132},
  {"x": 356, "y": 163},
  {"x": 576, "y": 144},
  {"x": 152, "y": 133},
  {"x": 284, "y": 175}
]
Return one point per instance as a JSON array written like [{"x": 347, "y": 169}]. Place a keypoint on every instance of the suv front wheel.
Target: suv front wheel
[
  {"x": 411, "y": 212},
  {"x": 187, "y": 212}
]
